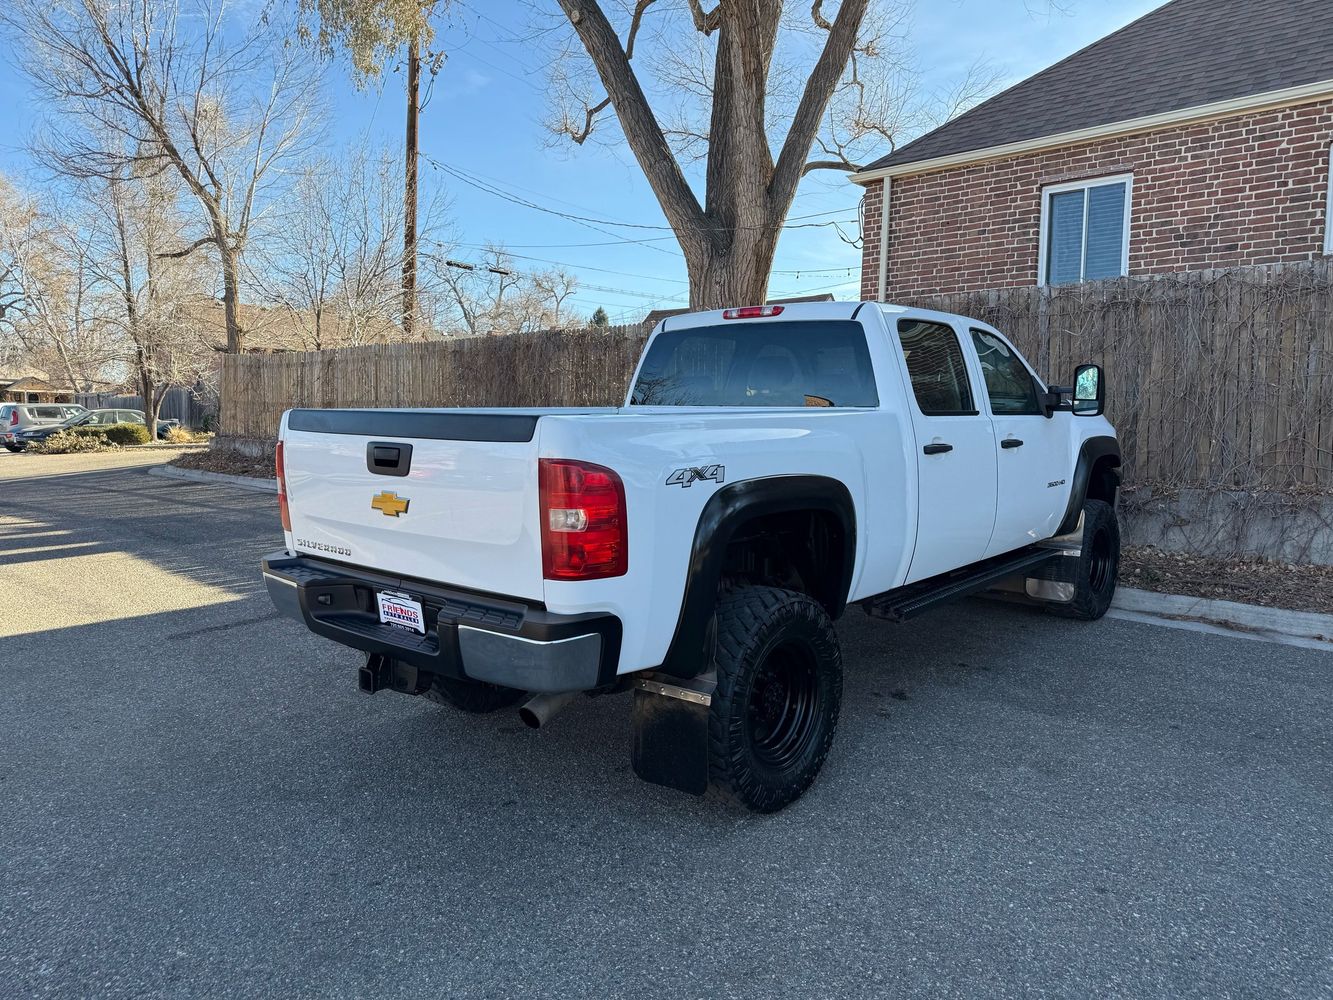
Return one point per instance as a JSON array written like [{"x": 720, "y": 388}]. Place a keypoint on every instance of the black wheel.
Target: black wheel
[
  {"x": 779, "y": 687},
  {"x": 477, "y": 697},
  {"x": 14, "y": 447},
  {"x": 1098, "y": 565}
]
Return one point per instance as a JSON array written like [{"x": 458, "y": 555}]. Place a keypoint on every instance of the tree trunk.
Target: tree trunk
[
  {"x": 231, "y": 284},
  {"x": 731, "y": 268},
  {"x": 410, "y": 190},
  {"x": 148, "y": 390},
  {"x": 729, "y": 243}
]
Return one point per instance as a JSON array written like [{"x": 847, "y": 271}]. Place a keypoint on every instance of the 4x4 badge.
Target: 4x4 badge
[
  {"x": 703, "y": 474},
  {"x": 389, "y": 504}
]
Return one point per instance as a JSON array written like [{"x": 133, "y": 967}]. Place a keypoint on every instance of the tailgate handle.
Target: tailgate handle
[{"x": 388, "y": 458}]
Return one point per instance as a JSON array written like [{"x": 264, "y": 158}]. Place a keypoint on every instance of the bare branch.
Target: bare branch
[
  {"x": 814, "y": 100},
  {"x": 198, "y": 244},
  {"x": 640, "y": 125},
  {"x": 707, "y": 23}
]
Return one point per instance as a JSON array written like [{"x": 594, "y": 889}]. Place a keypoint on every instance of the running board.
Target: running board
[{"x": 908, "y": 601}]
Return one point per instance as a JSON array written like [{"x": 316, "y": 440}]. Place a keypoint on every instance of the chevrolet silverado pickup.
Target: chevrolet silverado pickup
[{"x": 770, "y": 467}]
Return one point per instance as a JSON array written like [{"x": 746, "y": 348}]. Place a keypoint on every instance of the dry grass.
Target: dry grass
[{"x": 183, "y": 435}]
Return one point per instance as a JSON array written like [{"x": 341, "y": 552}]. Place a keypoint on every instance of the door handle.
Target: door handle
[
  {"x": 1011, "y": 443},
  {"x": 937, "y": 449}
]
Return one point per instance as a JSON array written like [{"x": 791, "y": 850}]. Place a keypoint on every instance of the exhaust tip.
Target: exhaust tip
[{"x": 538, "y": 711}]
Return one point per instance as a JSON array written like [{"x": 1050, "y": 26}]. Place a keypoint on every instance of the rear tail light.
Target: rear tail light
[
  {"x": 752, "y": 312},
  {"x": 281, "y": 470},
  {"x": 585, "y": 535},
  {"x": 13, "y": 418}
]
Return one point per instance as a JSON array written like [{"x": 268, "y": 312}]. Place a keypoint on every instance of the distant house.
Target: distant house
[
  {"x": 1199, "y": 136},
  {"x": 31, "y": 389},
  {"x": 657, "y": 315}
]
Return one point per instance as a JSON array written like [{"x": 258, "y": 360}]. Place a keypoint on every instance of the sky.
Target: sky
[{"x": 485, "y": 118}]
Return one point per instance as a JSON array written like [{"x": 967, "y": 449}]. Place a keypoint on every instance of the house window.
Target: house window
[{"x": 1085, "y": 230}]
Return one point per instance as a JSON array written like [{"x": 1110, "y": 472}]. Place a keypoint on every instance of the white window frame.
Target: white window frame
[
  {"x": 1328, "y": 207},
  {"x": 1043, "y": 261}
]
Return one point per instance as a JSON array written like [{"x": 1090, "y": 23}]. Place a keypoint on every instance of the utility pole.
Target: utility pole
[{"x": 410, "y": 189}]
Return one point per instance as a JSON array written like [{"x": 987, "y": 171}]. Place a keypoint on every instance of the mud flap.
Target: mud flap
[{"x": 671, "y": 731}]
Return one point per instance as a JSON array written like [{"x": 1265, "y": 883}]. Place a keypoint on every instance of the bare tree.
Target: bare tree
[
  {"x": 333, "y": 256},
  {"x": 163, "y": 79},
  {"x": 494, "y": 297},
  {"x": 149, "y": 291},
  {"x": 49, "y": 302},
  {"x": 554, "y": 287},
  {"x": 762, "y": 92},
  {"x": 370, "y": 31}
]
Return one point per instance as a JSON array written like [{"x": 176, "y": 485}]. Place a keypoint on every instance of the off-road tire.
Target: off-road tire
[
  {"x": 476, "y": 697},
  {"x": 779, "y": 689},
  {"x": 1098, "y": 564}
]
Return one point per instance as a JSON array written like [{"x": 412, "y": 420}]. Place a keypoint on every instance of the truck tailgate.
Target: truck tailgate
[{"x": 465, "y": 513}]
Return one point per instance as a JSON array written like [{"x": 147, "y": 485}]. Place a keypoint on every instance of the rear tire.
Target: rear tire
[
  {"x": 474, "y": 697},
  {"x": 1098, "y": 564},
  {"x": 779, "y": 689}
]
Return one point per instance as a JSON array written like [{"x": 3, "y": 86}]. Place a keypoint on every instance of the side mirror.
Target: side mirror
[{"x": 1089, "y": 396}]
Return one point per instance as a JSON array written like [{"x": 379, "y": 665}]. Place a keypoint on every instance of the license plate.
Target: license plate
[{"x": 401, "y": 610}]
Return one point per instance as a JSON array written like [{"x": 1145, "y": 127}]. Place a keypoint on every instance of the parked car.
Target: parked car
[
  {"x": 15, "y": 418},
  {"x": 89, "y": 418},
  {"x": 770, "y": 467}
]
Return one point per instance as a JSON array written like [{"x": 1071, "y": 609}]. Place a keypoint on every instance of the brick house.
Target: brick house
[{"x": 1199, "y": 136}]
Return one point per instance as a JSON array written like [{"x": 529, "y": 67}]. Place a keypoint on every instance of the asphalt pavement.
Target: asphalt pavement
[{"x": 195, "y": 801}]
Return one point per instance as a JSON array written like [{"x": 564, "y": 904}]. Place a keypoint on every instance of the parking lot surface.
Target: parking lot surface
[{"x": 196, "y": 802}]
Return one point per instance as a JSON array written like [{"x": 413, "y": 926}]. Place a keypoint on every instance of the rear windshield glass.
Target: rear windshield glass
[{"x": 763, "y": 363}]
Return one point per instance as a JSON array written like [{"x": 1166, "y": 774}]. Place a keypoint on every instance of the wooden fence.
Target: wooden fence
[
  {"x": 1215, "y": 378},
  {"x": 194, "y": 409}
]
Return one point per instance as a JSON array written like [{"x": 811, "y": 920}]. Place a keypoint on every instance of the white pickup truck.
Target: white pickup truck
[{"x": 771, "y": 466}]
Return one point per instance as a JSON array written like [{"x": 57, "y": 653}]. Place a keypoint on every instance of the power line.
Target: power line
[
  {"x": 475, "y": 181},
  {"x": 577, "y": 267}
]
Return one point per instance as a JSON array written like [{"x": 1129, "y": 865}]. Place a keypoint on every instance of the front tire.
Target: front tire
[
  {"x": 779, "y": 689},
  {"x": 473, "y": 697},
  {"x": 1098, "y": 564},
  {"x": 16, "y": 448}
]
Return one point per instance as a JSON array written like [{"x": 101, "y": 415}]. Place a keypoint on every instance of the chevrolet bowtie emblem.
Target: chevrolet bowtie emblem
[{"x": 389, "y": 504}]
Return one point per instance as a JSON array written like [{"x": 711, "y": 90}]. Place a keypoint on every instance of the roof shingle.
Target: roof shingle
[{"x": 1184, "y": 54}]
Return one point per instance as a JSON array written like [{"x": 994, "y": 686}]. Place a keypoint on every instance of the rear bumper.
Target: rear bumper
[{"x": 475, "y": 636}]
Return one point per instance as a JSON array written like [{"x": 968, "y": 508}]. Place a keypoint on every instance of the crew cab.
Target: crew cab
[{"x": 770, "y": 467}]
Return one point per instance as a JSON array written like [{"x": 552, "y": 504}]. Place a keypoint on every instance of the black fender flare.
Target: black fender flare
[
  {"x": 726, "y": 511},
  {"x": 1094, "y": 449}
]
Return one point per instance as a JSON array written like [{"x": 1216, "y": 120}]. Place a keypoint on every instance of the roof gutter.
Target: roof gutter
[{"x": 1289, "y": 96}]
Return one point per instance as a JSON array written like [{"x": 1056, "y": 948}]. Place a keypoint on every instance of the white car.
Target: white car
[{"x": 771, "y": 466}]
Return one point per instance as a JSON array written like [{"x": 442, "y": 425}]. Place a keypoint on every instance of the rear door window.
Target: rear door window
[
  {"x": 936, "y": 368},
  {"x": 762, "y": 363},
  {"x": 48, "y": 413}
]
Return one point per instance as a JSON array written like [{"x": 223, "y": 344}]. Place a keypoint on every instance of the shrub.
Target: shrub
[
  {"x": 98, "y": 432},
  {"x": 124, "y": 434},
  {"x": 68, "y": 442},
  {"x": 183, "y": 435}
]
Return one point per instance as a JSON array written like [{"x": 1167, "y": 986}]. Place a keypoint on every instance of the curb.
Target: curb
[
  {"x": 1243, "y": 621},
  {"x": 217, "y": 478}
]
